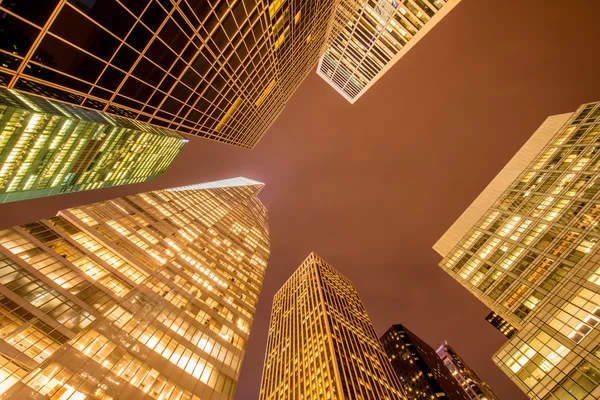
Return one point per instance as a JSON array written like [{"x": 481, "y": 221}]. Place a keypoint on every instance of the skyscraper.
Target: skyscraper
[
  {"x": 369, "y": 37},
  {"x": 48, "y": 148},
  {"x": 499, "y": 323},
  {"x": 145, "y": 296},
  {"x": 473, "y": 385},
  {"x": 422, "y": 373},
  {"x": 527, "y": 248},
  {"x": 321, "y": 343},
  {"x": 219, "y": 69}
]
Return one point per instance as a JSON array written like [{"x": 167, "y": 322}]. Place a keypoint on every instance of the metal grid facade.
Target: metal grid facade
[
  {"x": 422, "y": 373},
  {"x": 220, "y": 69},
  {"x": 369, "y": 36},
  {"x": 147, "y": 296},
  {"x": 533, "y": 259},
  {"x": 321, "y": 343},
  {"x": 47, "y": 148}
]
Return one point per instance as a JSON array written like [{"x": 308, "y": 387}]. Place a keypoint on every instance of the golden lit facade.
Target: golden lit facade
[
  {"x": 532, "y": 257},
  {"x": 218, "y": 69},
  {"x": 145, "y": 296},
  {"x": 321, "y": 342},
  {"x": 49, "y": 148},
  {"x": 369, "y": 37}
]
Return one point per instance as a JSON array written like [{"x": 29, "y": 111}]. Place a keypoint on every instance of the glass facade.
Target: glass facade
[
  {"x": 321, "y": 342},
  {"x": 49, "y": 148},
  {"x": 220, "y": 69},
  {"x": 473, "y": 385},
  {"x": 369, "y": 37},
  {"x": 422, "y": 373},
  {"x": 145, "y": 296},
  {"x": 533, "y": 259}
]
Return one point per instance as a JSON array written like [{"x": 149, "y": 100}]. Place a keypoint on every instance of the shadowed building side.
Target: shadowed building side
[
  {"x": 222, "y": 70},
  {"x": 422, "y": 373},
  {"x": 473, "y": 385}
]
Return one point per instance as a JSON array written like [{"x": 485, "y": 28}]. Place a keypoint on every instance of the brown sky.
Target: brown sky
[{"x": 371, "y": 187}]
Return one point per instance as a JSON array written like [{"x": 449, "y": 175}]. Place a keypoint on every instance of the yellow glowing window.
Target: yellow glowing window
[
  {"x": 297, "y": 17},
  {"x": 277, "y": 26},
  {"x": 266, "y": 93},
  {"x": 282, "y": 37},
  {"x": 229, "y": 114},
  {"x": 309, "y": 38},
  {"x": 275, "y": 6}
]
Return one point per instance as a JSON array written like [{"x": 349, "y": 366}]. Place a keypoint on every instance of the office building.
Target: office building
[
  {"x": 473, "y": 385},
  {"x": 499, "y": 323},
  {"x": 369, "y": 37},
  {"x": 422, "y": 373},
  {"x": 49, "y": 148},
  {"x": 145, "y": 296},
  {"x": 527, "y": 248},
  {"x": 218, "y": 69},
  {"x": 321, "y": 343}
]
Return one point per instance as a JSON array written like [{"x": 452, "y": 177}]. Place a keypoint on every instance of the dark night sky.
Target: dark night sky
[{"x": 371, "y": 187}]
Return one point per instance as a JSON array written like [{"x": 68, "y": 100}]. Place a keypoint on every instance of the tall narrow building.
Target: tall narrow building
[
  {"x": 48, "y": 148},
  {"x": 369, "y": 37},
  {"x": 473, "y": 385},
  {"x": 321, "y": 342},
  {"x": 422, "y": 373},
  {"x": 218, "y": 69},
  {"x": 145, "y": 296},
  {"x": 528, "y": 248}
]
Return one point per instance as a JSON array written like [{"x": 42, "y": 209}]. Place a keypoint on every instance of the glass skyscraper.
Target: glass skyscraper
[
  {"x": 321, "y": 342},
  {"x": 218, "y": 69},
  {"x": 528, "y": 248},
  {"x": 422, "y": 373},
  {"x": 49, "y": 148},
  {"x": 145, "y": 296},
  {"x": 369, "y": 37}
]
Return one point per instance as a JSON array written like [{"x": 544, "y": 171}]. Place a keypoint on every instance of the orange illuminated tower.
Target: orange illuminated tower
[
  {"x": 321, "y": 342},
  {"x": 145, "y": 296}
]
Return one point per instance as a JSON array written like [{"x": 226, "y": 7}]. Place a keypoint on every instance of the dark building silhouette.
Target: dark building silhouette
[
  {"x": 501, "y": 324},
  {"x": 420, "y": 370},
  {"x": 473, "y": 385}
]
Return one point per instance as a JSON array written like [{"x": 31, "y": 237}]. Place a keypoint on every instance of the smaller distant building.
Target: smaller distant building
[
  {"x": 501, "y": 324},
  {"x": 475, "y": 387},
  {"x": 421, "y": 372}
]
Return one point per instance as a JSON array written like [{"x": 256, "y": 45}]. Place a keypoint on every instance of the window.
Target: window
[{"x": 580, "y": 382}]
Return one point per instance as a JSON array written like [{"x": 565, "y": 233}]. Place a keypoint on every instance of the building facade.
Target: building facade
[
  {"x": 218, "y": 69},
  {"x": 527, "y": 248},
  {"x": 473, "y": 385},
  {"x": 48, "y": 148},
  {"x": 145, "y": 296},
  {"x": 321, "y": 343},
  {"x": 369, "y": 37},
  {"x": 499, "y": 323},
  {"x": 422, "y": 373}
]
